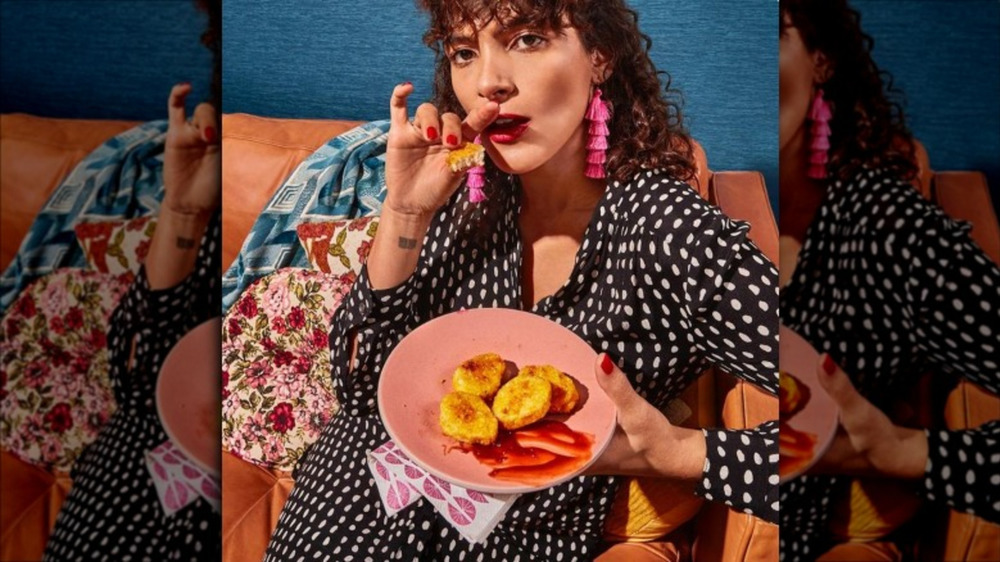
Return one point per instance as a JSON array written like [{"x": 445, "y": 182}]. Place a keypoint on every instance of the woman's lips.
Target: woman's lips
[{"x": 507, "y": 128}]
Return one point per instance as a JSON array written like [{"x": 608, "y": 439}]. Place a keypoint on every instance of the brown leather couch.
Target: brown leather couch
[
  {"x": 35, "y": 155},
  {"x": 259, "y": 153}
]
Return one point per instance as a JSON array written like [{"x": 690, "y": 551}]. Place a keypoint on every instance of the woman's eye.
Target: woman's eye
[
  {"x": 529, "y": 41},
  {"x": 462, "y": 56}
]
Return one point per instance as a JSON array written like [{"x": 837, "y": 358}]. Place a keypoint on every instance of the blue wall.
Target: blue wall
[
  {"x": 945, "y": 56},
  {"x": 100, "y": 59},
  {"x": 341, "y": 59}
]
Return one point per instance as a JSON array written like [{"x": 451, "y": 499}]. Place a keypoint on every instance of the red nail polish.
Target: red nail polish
[
  {"x": 828, "y": 365},
  {"x": 432, "y": 133},
  {"x": 452, "y": 140},
  {"x": 210, "y": 134},
  {"x": 607, "y": 365}
]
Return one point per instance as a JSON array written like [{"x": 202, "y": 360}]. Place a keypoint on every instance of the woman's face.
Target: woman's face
[
  {"x": 542, "y": 81},
  {"x": 798, "y": 71}
]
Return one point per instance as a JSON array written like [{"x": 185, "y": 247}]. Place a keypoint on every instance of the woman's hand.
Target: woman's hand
[
  {"x": 645, "y": 443},
  {"x": 867, "y": 442},
  {"x": 417, "y": 177},
  {"x": 192, "y": 161}
]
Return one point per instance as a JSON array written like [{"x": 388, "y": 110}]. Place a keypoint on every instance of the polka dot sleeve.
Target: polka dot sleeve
[
  {"x": 959, "y": 329},
  {"x": 732, "y": 297},
  {"x": 377, "y": 320}
]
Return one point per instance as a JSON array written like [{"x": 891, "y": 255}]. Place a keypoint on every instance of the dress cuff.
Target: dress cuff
[
  {"x": 741, "y": 470},
  {"x": 963, "y": 470}
]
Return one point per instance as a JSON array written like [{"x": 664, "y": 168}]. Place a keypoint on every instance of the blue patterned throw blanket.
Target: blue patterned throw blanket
[
  {"x": 345, "y": 178},
  {"x": 123, "y": 178}
]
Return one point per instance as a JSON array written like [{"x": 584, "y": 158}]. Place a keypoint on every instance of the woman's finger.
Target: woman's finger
[
  {"x": 398, "y": 114},
  {"x": 175, "y": 105},
  {"x": 480, "y": 118},
  {"x": 206, "y": 120},
  {"x": 616, "y": 385},
  {"x": 859, "y": 417},
  {"x": 451, "y": 133},
  {"x": 428, "y": 122}
]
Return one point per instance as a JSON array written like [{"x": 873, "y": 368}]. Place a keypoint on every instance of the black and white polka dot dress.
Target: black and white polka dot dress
[
  {"x": 891, "y": 288},
  {"x": 112, "y": 511},
  {"x": 662, "y": 281}
]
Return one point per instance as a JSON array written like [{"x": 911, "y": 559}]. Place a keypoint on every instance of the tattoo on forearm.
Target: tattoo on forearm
[
  {"x": 185, "y": 243},
  {"x": 407, "y": 243}
]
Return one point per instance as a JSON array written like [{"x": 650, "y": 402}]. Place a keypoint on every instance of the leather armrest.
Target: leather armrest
[
  {"x": 966, "y": 196},
  {"x": 31, "y": 501},
  {"x": 743, "y": 196},
  {"x": 252, "y": 498}
]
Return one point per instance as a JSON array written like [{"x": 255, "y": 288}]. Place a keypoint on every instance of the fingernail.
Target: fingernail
[
  {"x": 607, "y": 365},
  {"x": 210, "y": 134},
  {"x": 407, "y": 83},
  {"x": 432, "y": 133},
  {"x": 828, "y": 365},
  {"x": 452, "y": 140},
  {"x": 183, "y": 83}
]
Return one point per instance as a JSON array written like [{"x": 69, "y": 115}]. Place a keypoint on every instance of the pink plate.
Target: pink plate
[
  {"x": 188, "y": 395},
  {"x": 418, "y": 374},
  {"x": 819, "y": 416}
]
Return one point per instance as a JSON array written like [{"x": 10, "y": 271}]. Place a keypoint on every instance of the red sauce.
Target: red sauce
[
  {"x": 535, "y": 454},
  {"x": 795, "y": 447}
]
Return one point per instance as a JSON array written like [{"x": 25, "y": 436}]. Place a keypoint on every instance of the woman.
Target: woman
[
  {"x": 112, "y": 511},
  {"x": 885, "y": 284},
  {"x": 636, "y": 264}
]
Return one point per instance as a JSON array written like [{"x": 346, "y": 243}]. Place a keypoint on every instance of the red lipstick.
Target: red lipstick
[{"x": 507, "y": 128}]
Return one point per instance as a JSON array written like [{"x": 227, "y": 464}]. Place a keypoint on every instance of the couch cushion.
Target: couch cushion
[
  {"x": 38, "y": 153},
  {"x": 277, "y": 395},
  {"x": 258, "y": 153},
  {"x": 56, "y": 394},
  {"x": 338, "y": 247},
  {"x": 118, "y": 246}
]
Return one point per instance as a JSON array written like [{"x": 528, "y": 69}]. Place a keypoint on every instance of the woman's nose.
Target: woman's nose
[{"x": 495, "y": 80}]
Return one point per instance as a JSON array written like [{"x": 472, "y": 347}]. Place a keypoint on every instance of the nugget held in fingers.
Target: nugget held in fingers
[
  {"x": 468, "y": 156},
  {"x": 564, "y": 393},
  {"x": 480, "y": 375},
  {"x": 522, "y": 401},
  {"x": 466, "y": 418}
]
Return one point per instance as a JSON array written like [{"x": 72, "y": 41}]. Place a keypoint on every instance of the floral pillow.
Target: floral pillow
[
  {"x": 339, "y": 246},
  {"x": 276, "y": 390},
  {"x": 117, "y": 246},
  {"x": 55, "y": 394}
]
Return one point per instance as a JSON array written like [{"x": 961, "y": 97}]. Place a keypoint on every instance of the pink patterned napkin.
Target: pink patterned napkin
[
  {"x": 400, "y": 482},
  {"x": 179, "y": 481}
]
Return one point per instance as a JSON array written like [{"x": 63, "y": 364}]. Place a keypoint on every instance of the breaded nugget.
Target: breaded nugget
[
  {"x": 792, "y": 395},
  {"x": 522, "y": 401},
  {"x": 467, "y": 156},
  {"x": 564, "y": 392},
  {"x": 480, "y": 375},
  {"x": 466, "y": 418}
]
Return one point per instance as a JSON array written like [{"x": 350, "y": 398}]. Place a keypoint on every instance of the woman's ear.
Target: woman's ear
[
  {"x": 822, "y": 67},
  {"x": 601, "y": 70}
]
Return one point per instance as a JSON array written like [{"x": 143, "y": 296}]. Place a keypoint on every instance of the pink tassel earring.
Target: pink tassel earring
[
  {"x": 819, "y": 144},
  {"x": 597, "y": 136},
  {"x": 476, "y": 179}
]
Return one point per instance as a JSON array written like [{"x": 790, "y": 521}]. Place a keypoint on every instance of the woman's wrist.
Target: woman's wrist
[
  {"x": 680, "y": 455},
  {"x": 396, "y": 248}
]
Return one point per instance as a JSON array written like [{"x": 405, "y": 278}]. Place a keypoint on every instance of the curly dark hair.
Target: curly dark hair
[
  {"x": 646, "y": 129},
  {"x": 868, "y": 128},
  {"x": 212, "y": 38}
]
